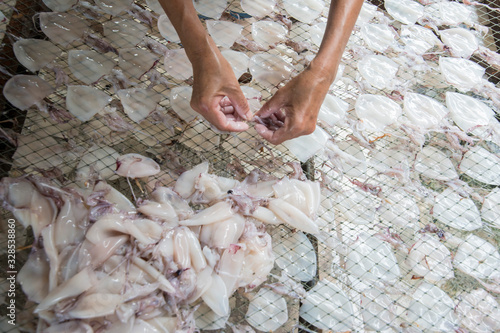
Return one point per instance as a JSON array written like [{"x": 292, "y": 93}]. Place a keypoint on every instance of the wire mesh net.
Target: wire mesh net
[{"x": 406, "y": 151}]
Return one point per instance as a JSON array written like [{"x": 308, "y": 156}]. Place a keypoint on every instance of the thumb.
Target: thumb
[{"x": 271, "y": 106}]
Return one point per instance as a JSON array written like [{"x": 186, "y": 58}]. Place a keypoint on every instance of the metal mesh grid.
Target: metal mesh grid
[{"x": 363, "y": 203}]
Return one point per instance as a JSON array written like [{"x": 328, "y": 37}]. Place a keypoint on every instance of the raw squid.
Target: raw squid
[
  {"x": 33, "y": 276},
  {"x": 327, "y": 307},
  {"x": 479, "y": 311},
  {"x": 211, "y": 8},
  {"x": 449, "y": 13},
  {"x": 462, "y": 42},
  {"x": 268, "y": 33},
  {"x": 400, "y": 209},
  {"x": 295, "y": 256},
  {"x": 84, "y": 102},
  {"x": 267, "y": 311},
  {"x": 432, "y": 309},
  {"x": 124, "y": 33},
  {"x": 307, "y": 146},
  {"x": 372, "y": 259},
  {"x": 89, "y": 66},
  {"x": 138, "y": 103},
  {"x": 418, "y": 39},
  {"x": 60, "y": 5},
  {"x": 304, "y": 195},
  {"x": 433, "y": 163},
  {"x": 367, "y": 13},
  {"x": 376, "y": 111},
  {"x": 424, "y": 111},
  {"x": 481, "y": 165},
  {"x": 351, "y": 156},
  {"x": 304, "y": 11},
  {"x": 136, "y": 62},
  {"x": 106, "y": 194},
  {"x": 378, "y": 37},
  {"x": 478, "y": 258},
  {"x": 62, "y": 28},
  {"x": 180, "y": 99},
  {"x": 258, "y": 8},
  {"x": 23, "y": 91},
  {"x": 377, "y": 309},
  {"x": 136, "y": 166},
  {"x": 333, "y": 110},
  {"x": 34, "y": 54},
  {"x": 102, "y": 159},
  {"x": 239, "y": 62},
  {"x": 223, "y": 234},
  {"x": 98, "y": 44},
  {"x": 392, "y": 160},
  {"x": 224, "y": 33},
  {"x": 114, "y": 7},
  {"x": 259, "y": 258},
  {"x": 463, "y": 74},
  {"x": 167, "y": 29},
  {"x": 270, "y": 70},
  {"x": 378, "y": 70},
  {"x": 456, "y": 211},
  {"x": 406, "y": 11},
  {"x": 29, "y": 206},
  {"x": 430, "y": 259},
  {"x": 468, "y": 112},
  {"x": 100, "y": 279},
  {"x": 177, "y": 64},
  {"x": 317, "y": 32},
  {"x": 356, "y": 206},
  {"x": 490, "y": 211}
]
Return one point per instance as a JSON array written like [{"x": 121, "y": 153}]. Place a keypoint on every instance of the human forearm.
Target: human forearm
[
  {"x": 192, "y": 33},
  {"x": 213, "y": 77},
  {"x": 341, "y": 20},
  {"x": 297, "y": 103}
]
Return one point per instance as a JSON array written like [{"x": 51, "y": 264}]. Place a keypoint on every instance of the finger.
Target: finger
[
  {"x": 275, "y": 137},
  {"x": 236, "y": 126},
  {"x": 226, "y": 122},
  {"x": 263, "y": 131},
  {"x": 271, "y": 106},
  {"x": 227, "y": 109},
  {"x": 240, "y": 104}
]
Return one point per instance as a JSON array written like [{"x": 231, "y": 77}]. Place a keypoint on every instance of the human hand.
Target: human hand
[
  {"x": 294, "y": 108},
  {"x": 217, "y": 96}
]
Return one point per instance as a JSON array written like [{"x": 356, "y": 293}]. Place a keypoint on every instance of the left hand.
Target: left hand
[{"x": 294, "y": 108}]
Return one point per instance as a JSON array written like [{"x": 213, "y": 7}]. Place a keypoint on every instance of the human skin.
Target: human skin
[
  {"x": 296, "y": 104},
  {"x": 213, "y": 77},
  {"x": 299, "y": 101}
]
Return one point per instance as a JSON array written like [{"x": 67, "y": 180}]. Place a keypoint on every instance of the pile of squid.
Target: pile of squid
[{"x": 102, "y": 264}]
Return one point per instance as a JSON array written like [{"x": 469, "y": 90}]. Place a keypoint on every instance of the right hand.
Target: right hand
[{"x": 217, "y": 95}]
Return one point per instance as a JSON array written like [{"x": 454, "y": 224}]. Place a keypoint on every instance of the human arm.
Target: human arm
[
  {"x": 297, "y": 104},
  {"x": 213, "y": 77}
]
